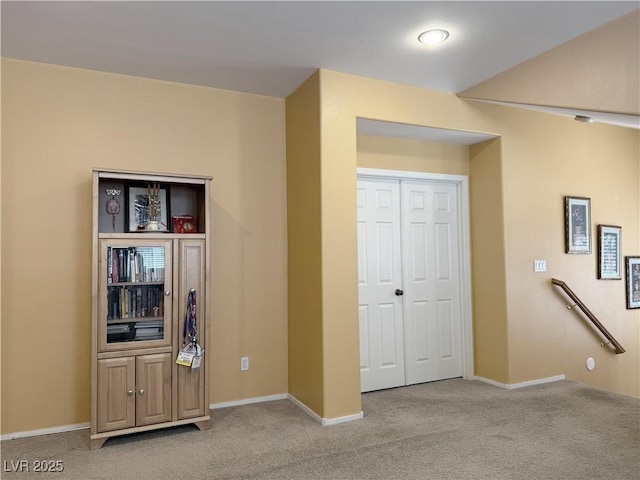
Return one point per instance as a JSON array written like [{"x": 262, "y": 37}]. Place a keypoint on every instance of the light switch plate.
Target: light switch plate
[{"x": 539, "y": 266}]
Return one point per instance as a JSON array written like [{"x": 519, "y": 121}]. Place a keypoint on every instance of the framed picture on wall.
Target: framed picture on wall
[
  {"x": 577, "y": 218},
  {"x": 609, "y": 259},
  {"x": 633, "y": 282}
]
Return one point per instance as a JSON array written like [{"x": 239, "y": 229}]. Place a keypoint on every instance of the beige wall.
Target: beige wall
[
  {"x": 545, "y": 158},
  {"x": 506, "y": 310},
  {"x": 345, "y": 98},
  {"x": 59, "y": 123},
  {"x": 488, "y": 269},
  {"x": 305, "y": 251},
  {"x": 339, "y": 257},
  {"x": 412, "y": 155}
]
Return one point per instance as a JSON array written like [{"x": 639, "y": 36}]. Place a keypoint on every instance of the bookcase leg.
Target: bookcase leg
[
  {"x": 204, "y": 425},
  {"x": 96, "y": 443}
]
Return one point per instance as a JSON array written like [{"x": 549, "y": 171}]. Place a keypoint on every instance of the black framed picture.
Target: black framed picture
[
  {"x": 577, "y": 214},
  {"x": 633, "y": 281},
  {"x": 609, "y": 259}
]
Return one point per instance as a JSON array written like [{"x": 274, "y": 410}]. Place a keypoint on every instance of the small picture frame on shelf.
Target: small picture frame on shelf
[
  {"x": 577, "y": 217},
  {"x": 633, "y": 281},
  {"x": 609, "y": 259},
  {"x": 148, "y": 209}
]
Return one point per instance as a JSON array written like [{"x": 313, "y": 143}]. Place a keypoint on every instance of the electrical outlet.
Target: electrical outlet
[
  {"x": 539, "y": 266},
  {"x": 244, "y": 364}
]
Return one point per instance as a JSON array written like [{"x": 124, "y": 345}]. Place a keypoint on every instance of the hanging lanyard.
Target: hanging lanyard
[
  {"x": 190, "y": 329},
  {"x": 191, "y": 354}
]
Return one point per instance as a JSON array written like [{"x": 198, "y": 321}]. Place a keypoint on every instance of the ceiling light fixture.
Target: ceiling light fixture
[
  {"x": 433, "y": 37},
  {"x": 583, "y": 119}
]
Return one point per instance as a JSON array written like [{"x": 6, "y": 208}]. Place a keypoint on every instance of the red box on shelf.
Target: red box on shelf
[{"x": 183, "y": 224}]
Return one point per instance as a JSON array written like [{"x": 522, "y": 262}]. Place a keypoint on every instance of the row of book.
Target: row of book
[
  {"x": 128, "y": 264},
  {"x": 128, "y": 332},
  {"x": 135, "y": 302}
]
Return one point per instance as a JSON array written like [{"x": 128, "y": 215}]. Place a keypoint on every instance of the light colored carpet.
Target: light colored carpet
[{"x": 454, "y": 429}]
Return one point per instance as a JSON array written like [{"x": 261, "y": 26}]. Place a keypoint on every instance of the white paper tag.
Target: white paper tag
[{"x": 195, "y": 365}]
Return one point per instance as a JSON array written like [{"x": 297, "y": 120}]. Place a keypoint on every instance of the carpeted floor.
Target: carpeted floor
[{"x": 454, "y": 429}]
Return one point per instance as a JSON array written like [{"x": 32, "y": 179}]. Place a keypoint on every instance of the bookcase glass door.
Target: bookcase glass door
[{"x": 137, "y": 294}]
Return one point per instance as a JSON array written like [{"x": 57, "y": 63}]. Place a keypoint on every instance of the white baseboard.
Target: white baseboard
[
  {"x": 247, "y": 401},
  {"x": 347, "y": 418},
  {"x": 513, "y": 386},
  {"x": 44, "y": 431},
  {"x": 325, "y": 422},
  {"x": 305, "y": 409}
]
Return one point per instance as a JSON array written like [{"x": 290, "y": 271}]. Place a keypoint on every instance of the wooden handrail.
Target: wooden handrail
[{"x": 590, "y": 316}]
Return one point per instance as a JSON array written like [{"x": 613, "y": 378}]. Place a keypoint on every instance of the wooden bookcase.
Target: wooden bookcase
[{"x": 142, "y": 276}]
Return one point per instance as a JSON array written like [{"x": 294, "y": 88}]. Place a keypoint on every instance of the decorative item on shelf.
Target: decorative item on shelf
[
  {"x": 148, "y": 209},
  {"x": 113, "y": 206},
  {"x": 153, "y": 193},
  {"x": 183, "y": 224}
]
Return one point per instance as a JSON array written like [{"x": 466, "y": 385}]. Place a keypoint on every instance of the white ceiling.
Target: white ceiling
[
  {"x": 417, "y": 132},
  {"x": 270, "y": 48}
]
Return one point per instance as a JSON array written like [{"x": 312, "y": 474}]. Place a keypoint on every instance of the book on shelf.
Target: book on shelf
[
  {"x": 149, "y": 330},
  {"x": 115, "y": 274},
  {"x": 118, "y": 328},
  {"x": 119, "y": 333},
  {"x": 132, "y": 265},
  {"x": 139, "y": 301},
  {"x": 121, "y": 270},
  {"x": 109, "y": 265},
  {"x": 143, "y": 329}
]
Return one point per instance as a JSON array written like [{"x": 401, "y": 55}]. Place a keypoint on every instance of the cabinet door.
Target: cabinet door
[
  {"x": 153, "y": 380},
  {"x": 116, "y": 393},
  {"x": 191, "y": 397},
  {"x": 134, "y": 295}
]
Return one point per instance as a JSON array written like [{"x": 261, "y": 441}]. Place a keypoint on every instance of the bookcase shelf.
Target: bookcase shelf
[
  {"x": 114, "y": 321},
  {"x": 167, "y": 235},
  {"x": 150, "y": 250}
]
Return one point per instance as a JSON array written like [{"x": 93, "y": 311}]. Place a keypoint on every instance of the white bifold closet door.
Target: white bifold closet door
[{"x": 409, "y": 282}]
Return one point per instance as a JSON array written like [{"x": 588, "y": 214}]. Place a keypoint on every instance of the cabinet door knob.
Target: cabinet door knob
[
  {"x": 141, "y": 391},
  {"x": 130, "y": 392},
  {"x": 167, "y": 293},
  {"x": 399, "y": 292}
]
